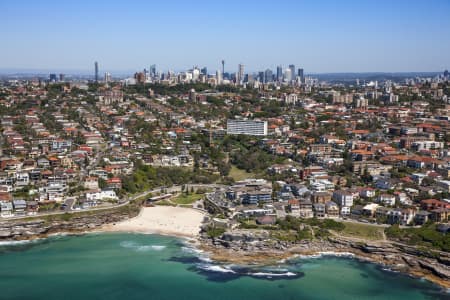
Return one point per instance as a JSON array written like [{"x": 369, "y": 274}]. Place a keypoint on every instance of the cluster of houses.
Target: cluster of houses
[
  {"x": 256, "y": 198},
  {"x": 65, "y": 144}
]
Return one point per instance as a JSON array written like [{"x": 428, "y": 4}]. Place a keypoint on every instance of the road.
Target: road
[{"x": 123, "y": 202}]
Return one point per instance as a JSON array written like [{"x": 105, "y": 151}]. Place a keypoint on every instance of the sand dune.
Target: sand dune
[{"x": 167, "y": 220}]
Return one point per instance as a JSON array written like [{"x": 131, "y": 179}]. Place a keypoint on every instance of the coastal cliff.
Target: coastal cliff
[
  {"x": 32, "y": 228},
  {"x": 257, "y": 247}
]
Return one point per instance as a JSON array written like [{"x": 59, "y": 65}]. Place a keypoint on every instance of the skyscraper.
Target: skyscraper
[
  {"x": 153, "y": 70},
  {"x": 107, "y": 77},
  {"x": 204, "y": 71},
  {"x": 300, "y": 74},
  {"x": 268, "y": 76},
  {"x": 292, "y": 68},
  {"x": 279, "y": 73},
  {"x": 223, "y": 68},
  {"x": 287, "y": 75},
  {"x": 240, "y": 74},
  {"x": 261, "y": 77},
  {"x": 96, "y": 71},
  {"x": 53, "y": 78},
  {"x": 219, "y": 78}
]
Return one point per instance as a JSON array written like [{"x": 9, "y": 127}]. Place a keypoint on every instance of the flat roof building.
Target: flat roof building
[{"x": 247, "y": 127}]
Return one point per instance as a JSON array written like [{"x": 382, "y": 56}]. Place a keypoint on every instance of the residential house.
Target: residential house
[
  {"x": 367, "y": 193},
  {"x": 6, "y": 209},
  {"x": 440, "y": 214},
  {"x": 305, "y": 209},
  {"x": 294, "y": 207},
  {"x": 319, "y": 210},
  {"x": 422, "y": 217},
  {"x": 431, "y": 204},
  {"x": 320, "y": 197},
  {"x": 32, "y": 207},
  {"x": 381, "y": 212},
  {"x": 101, "y": 195},
  {"x": 345, "y": 210},
  {"x": 445, "y": 184},
  {"x": 20, "y": 207},
  {"x": 91, "y": 183},
  {"x": 332, "y": 209},
  {"x": 343, "y": 198},
  {"x": 370, "y": 209},
  {"x": 386, "y": 199},
  {"x": 402, "y": 198}
]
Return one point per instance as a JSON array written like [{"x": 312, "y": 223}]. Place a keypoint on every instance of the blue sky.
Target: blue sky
[{"x": 320, "y": 36}]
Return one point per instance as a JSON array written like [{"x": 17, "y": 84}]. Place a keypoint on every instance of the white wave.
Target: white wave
[
  {"x": 128, "y": 244},
  {"x": 15, "y": 243},
  {"x": 158, "y": 247},
  {"x": 205, "y": 258},
  {"x": 306, "y": 256},
  {"x": 389, "y": 270},
  {"x": 200, "y": 254},
  {"x": 141, "y": 248},
  {"x": 191, "y": 250},
  {"x": 264, "y": 274},
  {"x": 217, "y": 268},
  {"x": 320, "y": 255},
  {"x": 58, "y": 234},
  {"x": 278, "y": 270},
  {"x": 338, "y": 254}
]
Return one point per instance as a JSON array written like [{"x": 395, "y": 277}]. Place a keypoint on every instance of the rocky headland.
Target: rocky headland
[{"x": 257, "y": 247}]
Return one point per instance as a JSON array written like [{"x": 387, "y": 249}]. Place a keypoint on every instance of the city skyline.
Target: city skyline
[{"x": 324, "y": 37}]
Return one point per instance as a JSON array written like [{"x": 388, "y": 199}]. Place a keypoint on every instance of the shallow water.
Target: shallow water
[{"x": 137, "y": 266}]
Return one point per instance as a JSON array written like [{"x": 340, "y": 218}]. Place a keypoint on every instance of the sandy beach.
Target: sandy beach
[{"x": 167, "y": 220}]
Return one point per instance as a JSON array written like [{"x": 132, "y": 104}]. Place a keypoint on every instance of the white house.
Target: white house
[
  {"x": 345, "y": 210},
  {"x": 403, "y": 198},
  {"x": 91, "y": 183},
  {"x": 367, "y": 193},
  {"x": 343, "y": 198},
  {"x": 322, "y": 185},
  {"x": 386, "y": 199},
  {"x": 96, "y": 195},
  {"x": 6, "y": 209}
]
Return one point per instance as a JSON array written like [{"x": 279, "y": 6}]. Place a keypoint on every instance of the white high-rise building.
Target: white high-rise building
[
  {"x": 219, "y": 78},
  {"x": 107, "y": 77},
  {"x": 287, "y": 75},
  {"x": 240, "y": 74},
  {"x": 195, "y": 74},
  {"x": 247, "y": 127}
]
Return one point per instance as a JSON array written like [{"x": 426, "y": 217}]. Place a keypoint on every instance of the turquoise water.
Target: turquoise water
[{"x": 133, "y": 266}]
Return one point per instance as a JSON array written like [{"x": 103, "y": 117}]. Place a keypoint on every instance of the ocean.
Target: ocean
[{"x": 137, "y": 266}]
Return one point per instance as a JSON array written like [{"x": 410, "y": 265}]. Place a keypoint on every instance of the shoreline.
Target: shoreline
[
  {"x": 271, "y": 257},
  {"x": 185, "y": 223},
  {"x": 163, "y": 220}
]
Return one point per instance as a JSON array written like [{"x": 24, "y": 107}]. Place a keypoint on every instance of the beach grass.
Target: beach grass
[
  {"x": 184, "y": 199},
  {"x": 165, "y": 203},
  {"x": 363, "y": 231}
]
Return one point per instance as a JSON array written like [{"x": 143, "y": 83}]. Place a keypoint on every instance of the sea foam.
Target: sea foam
[
  {"x": 141, "y": 248},
  {"x": 266, "y": 274},
  {"x": 15, "y": 243},
  {"x": 216, "y": 268}
]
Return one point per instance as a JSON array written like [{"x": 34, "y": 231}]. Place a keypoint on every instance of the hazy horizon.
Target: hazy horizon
[
  {"x": 21, "y": 71},
  {"x": 320, "y": 37}
]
